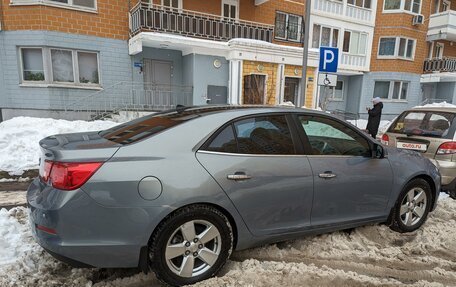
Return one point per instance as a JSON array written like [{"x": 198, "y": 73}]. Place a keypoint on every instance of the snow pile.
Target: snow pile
[
  {"x": 19, "y": 137},
  {"x": 366, "y": 256}
]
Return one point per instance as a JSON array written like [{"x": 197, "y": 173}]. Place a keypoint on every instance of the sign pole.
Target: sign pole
[{"x": 305, "y": 52}]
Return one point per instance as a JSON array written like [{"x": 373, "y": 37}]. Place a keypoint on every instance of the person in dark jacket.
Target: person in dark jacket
[{"x": 375, "y": 115}]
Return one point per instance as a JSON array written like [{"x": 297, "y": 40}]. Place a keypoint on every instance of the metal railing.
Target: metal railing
[
  {"x": 157, "y": 18},
  {"x": 345, "y": 115},
  {"x": 131, "y": 96},
  {"x": 445, "y": 64}
]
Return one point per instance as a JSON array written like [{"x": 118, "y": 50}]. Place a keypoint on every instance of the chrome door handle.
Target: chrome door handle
[
  {"x": 238, "y": 176},
  {"x": 327, "y": 175}
]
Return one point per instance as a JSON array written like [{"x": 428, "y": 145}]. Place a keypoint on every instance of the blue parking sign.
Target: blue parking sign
[{"x": 329, "y": 59}]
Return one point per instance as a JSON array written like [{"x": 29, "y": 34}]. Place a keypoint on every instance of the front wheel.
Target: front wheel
[
  {"x": 191, "y": 245},
  {"x": 412, "y": 207}
]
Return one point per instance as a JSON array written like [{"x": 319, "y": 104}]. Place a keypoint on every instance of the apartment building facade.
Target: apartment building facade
[
  {"x": 439, "y": 78},
  {"x": 77, "y": 55},
  {"x": 53, "y": 53}
]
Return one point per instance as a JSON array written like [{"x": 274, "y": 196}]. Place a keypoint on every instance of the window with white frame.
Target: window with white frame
[
  {"x": 59, "y": 66},
  {"x": 324, "y": 36},
  {"x": 391, "y": 90},
  {"x": 412, "y": 6},
  {"x": 84, "y": 4},
  {"x": 32, "y": 64},
  {"x": 360, "y": 3},
  {"x": 396, "y": 47},
  {"x": 230, "y": 9},
  {"x": 175, "y": 4},
  {"x": 288, "y": 27},
  {"x": 355, "y": 43},
  {"x": 337, "y": 92}
]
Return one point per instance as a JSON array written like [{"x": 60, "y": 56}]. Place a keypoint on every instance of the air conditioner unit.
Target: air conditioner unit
[{"x": 418, "y": 20}]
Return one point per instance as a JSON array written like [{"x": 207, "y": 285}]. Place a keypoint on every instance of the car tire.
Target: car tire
[
  {"x": 197, "y": 237},
  {"x": 412, "y": 207}
]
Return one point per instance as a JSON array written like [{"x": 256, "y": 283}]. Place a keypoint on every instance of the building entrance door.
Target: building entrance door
[
  {"x": 291, "y": 90},
  {"x": 254, "y": 89}
]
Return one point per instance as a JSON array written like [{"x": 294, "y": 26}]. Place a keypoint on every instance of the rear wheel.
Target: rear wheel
[
  {"x": 412, "y": 207},
  {"x": 191, "y": 245}
]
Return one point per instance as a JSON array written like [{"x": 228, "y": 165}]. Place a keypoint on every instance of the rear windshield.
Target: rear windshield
[
  {"x": 424, "y": 123},
  {"x": 148, "y": 126}
]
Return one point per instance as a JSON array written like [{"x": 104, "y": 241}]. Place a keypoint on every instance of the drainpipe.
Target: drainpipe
[{"x": 305, "y": 54}]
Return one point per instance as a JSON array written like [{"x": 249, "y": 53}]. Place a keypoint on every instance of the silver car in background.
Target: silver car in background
[
  {"x": 431, "y": 132},
  {"x": 176, "y": 192}
]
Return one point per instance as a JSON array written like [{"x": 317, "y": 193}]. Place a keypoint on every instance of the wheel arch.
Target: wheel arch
[
  {"x": 431, "y": 183},
  {"x": 224, "y": 211}
]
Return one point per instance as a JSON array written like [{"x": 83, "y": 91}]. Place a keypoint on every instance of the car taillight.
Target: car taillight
[
  {"x": 45, "y": 170},
  {"x": 70, "y": 175},
  {"x": 447, "y": 148},
  {"x": 385, "y": 139}
]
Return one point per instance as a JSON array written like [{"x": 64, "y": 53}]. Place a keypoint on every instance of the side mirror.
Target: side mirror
[{"x": 378, "y": 151}]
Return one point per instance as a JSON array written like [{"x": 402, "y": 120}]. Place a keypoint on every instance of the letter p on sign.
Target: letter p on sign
[{"x": 329, "y": 59}]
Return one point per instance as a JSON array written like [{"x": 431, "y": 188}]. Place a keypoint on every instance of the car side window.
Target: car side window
[
  {"x": 264, "y": 135},
  {"x": 329, "y": 137},
  {"x": 225, "y": 141}
]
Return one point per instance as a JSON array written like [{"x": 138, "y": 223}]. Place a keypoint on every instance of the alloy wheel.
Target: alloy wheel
[
  {"x": 193, "y": 248},
  {"x": 413, "y": 206}
]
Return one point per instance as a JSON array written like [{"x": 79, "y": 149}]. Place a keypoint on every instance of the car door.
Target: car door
[
  {"x": 255, "y": 162},
  {"x": 349, "y": 184}
]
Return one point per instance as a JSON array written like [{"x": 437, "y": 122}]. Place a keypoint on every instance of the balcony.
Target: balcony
[
  {"x": 342, "y": 9},
  {"x": 436, "y": 65},
  {"x": 442, "y": 26},
  {"x": 354, "y": 62},
  {"x": 155, "y": 18}
]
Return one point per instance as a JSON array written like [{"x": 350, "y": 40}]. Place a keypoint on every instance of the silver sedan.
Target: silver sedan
[{"x": 177, "y": 192}]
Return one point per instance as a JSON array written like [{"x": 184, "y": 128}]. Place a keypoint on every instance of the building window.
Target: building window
[
  {"x": 288, "y": 27},
  {"x": 175, "y": 4},
  {"x": 230, "y": 9},
  {"x": 396, "y": 47},
  {"x": 32, "y": 65},
  {"x": 412, "y": 6},
  {"x": 355, "y": 43},
  {"x": 324, "y": 36},
  {"x": 391, "y": 90},
  {"x": 60, "y": 66},
  {"x": 360, "y": 3},
  {"x": 337, "y": 92},
  {"x": 84, "y": 4}
]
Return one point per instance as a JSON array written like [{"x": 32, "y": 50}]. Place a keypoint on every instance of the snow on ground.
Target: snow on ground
[
  {"x": 362, "y": 124},
  {"x": 366, "y": 256},
  {"x": 437, "y": 105},
  {"x": 19, "y": 139}
]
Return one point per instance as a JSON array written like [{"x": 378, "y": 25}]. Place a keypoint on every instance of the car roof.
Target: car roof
[
  {"x": 435, "y": 109},
  {"x": 202, "y": 111}
]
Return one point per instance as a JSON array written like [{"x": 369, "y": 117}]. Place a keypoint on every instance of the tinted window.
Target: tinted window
[
  {"x": 329, "y": 137},
  {"x": 264, "y": 135},
  {"x": 424, "y": 123},
  {"x": 224, "y": 141}
]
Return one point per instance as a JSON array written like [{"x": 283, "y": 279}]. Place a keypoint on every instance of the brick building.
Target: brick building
[
  {"x": 53, "y": 53},
  {"x": 60, "y": 56},
  {"x": 439, "y": 79}
]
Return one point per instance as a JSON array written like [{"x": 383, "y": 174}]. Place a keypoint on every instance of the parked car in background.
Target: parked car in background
[
  {"x": 176, "y": 192},
  {"x": 430, "y": 131}
]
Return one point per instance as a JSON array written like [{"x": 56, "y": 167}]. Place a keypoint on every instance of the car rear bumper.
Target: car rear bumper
[
  {"x": 87, "y": 234},
  {"x": 447, "y": 171}
]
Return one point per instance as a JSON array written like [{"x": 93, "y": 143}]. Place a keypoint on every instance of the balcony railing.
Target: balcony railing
[
  {"x": 341, "y": 8},
  {"x": 445, "y": 64},
  {"x": 150, "y": 17},
  {"x": 353, "y": 61}
]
